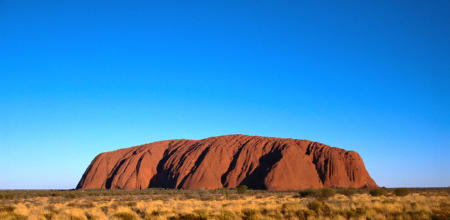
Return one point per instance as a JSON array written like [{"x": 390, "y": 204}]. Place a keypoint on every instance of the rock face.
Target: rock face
[{"x": 227, "y": 162}]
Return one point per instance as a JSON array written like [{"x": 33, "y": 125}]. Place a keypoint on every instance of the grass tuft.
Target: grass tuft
[
  {"x": 7, "y": 208},
  {"x": 13, "y": 216},
  {"x": 227, "y": 215},
  {"x": 124, "y": 216}
]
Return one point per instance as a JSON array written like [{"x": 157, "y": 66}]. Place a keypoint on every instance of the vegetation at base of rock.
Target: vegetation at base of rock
[
  {"x": 242, "y": 189},
  {"x": 377, "y": 192},
  {"x": 401, "y": 192},
  {"x": 306, "y": 192},
  {"x": 349, "y": 192},
  {"x": 327, "y": 192},
  {"x": 341, "y": 203}
]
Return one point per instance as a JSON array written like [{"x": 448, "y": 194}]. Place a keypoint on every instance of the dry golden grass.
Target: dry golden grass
[{"x": 221, "y": 204}]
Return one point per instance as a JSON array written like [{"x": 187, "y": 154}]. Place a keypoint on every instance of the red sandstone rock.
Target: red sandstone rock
[{"x": 227, "y": 162}]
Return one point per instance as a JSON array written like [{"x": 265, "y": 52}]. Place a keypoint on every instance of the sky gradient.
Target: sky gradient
[{"x": 78, "y": 78}]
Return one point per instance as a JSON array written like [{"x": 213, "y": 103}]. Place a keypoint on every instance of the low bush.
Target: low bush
[
  {"x": 189, "y": 216},
  {"x": 304, "y": 214},
  {"x": 401, "y": 191},
  {"x": 242, "y": 189},
  {"x": 142, "y": 213},
  {"x": 70, "y": 196},
  {"x": 361, "y": 211},
  {"x": 104, "y": 209},
  {"x": 227, "y": 215},
  {"x": 49, "y": 215},
  {"x": 417, "y": 214},
  {"x": 227, "y": 194},
  {"x": 315, "y": 205},
  {"x": 124, "y": 216},
  {"x": 7, "y": 208},
  {"x": 89, "y": 216},
  {"x": 306, "y": 192},
  {"x": 13, "y": 216},
  {"x": 74, "y": 217},
  {"x": 251, "y": 214},
  {"x": 159, "y": 213},
  {"x": 327, "y": 192},
  {"x": 9, "y": 196},
  {"x": 349, "y": 192},
  {"x": 376, "y": 192},
  {"x": 290, "y": 207},
  {"x": 131, "y": 204},
  {"x": 52, "y": 208}
]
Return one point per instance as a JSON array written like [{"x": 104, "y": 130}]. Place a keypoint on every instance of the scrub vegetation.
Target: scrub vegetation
[{"x": 225, "y": 204}]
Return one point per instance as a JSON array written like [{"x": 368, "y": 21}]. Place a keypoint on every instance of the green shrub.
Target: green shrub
[
  {"x": 290, "y": 207},
  {"x": 361, "y": 211},
  {"x": 350, "y": 214},
  {"x": 200, "y": 212},
  {"x": 190, "y": 216},
  {"x": 328, "y": 192},
  {"x": 51, "y": 208},
  {"x": 49, "y": 215},
  {"x": 142, "y": 213},
  {"x": 376, "y": 192},
  {"x": 251, "y": 214},
  {"x": 159, "y": 213},
  {"x": 89, "y": 216},
  {"x": 242, "y": 189},
  {"x": 401, "y": 191},
  {"x": 86, "y": 205},
  {"x": 227, "y": 215},
  {"x": 7, "y": 208},
  {"x": 124, "y": 216},
  {"x": 227, "y": 194},
  {"x": 70, "y": 196},
  {"x": 304, "y": 214},
  {"x": 276, "y": 216},
  {"x": 417, "y": 214},
  {"x": 440, "y": 214},
  {"x": 104, "y": 209},
  {"x": 349, "y": 192},
  {"x": 306, "y": 192},
  {"x": 114, "y": 206},
  {"x": 9, "y": 196},
  {"x": 315, "y": 205},
  {"x": 13, "y": 216},
  {"x": 73, "y": 217},
  {"x": 131, "y": 204}
]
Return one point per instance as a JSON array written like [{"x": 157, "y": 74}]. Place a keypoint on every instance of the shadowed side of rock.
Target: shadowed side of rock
[{"x": 227, "y": 162}]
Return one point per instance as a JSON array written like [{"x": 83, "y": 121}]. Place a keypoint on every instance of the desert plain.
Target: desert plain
[{"x": 224, "y": 204}]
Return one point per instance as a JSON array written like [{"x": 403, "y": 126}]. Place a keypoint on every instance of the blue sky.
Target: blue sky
[{"x": 78, "y": 78}]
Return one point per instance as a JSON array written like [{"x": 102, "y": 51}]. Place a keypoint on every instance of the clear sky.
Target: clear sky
[{"x": 78, "y": 78}]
